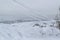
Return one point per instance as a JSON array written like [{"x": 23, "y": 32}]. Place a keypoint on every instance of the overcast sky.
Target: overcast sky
[{"x": 28, "y": 8}]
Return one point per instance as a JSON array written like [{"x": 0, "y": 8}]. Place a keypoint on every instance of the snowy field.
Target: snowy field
[{"x": 26, "y": 31}]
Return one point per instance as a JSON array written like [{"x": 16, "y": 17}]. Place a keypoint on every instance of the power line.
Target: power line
[{"x": 24, "y": 6}]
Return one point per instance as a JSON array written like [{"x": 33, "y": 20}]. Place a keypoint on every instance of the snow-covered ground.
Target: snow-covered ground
[{"x": 26, "y": 31}]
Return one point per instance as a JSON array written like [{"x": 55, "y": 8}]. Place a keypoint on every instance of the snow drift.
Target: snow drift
[{"x": 26, "y": 31}]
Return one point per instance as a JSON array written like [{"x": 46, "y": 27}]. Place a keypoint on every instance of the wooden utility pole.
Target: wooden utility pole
[{"x": 58, "y": 19}]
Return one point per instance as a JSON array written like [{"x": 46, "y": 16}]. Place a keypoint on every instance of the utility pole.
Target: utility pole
[{"x": 58, "y": 19}]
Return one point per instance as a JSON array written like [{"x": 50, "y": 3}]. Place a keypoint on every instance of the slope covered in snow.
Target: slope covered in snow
[{"x": 26, "y": 31}]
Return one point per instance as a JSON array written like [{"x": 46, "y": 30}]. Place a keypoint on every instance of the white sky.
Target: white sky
[{"x": 9, "y": 8}]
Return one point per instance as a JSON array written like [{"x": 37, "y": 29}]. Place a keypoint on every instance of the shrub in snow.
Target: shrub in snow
[{"x": 36, "y": 25}]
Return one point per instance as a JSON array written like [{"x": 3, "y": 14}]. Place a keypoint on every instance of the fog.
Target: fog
[{"x": 28, "y": 9}]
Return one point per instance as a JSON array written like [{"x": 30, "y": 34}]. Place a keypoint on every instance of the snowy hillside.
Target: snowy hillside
[{"x": 26, "y": 31}]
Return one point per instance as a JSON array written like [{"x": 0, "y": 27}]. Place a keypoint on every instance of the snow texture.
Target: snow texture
[{"x": 26, "y": 31}]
